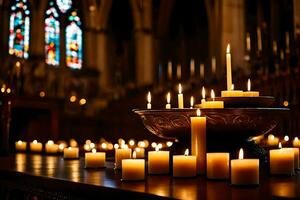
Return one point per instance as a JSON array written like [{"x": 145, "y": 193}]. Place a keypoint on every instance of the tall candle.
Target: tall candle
[
  {"x": 20, "y": 145},
  {"x": 169, "y": 70},
  {"x": 50, "y": 147},
  {"x": 149, "y": 100},
  {"x": 192, "y": 67},
  {"x": 250, "y": 93},
  {"x": 158, "y": 162},
  {"x": 217, "y": 166},
  {"x": 198, "y": 136},
  {"x": 228, "y": 68},
  {"x": 168, "y": 105},
  {"x": 184, "y": 165},
  {"x": 133, "y": 169},
  {"x": 36, "y": 146},
  {"x": 180, "y": 97},
  {"x": 282, "y": 161},
  {"x": 120, "y": 154},
  {"x": 95, "y": 159},
  {"x": 71, "y": 153},
  {"x": 244, "y": 171}
]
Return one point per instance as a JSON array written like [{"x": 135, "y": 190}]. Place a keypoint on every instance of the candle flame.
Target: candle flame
[
  {"x": 192, "y": 102},
  {"x": 134, "y": 155},
  {"x": 271, "y": 137},
  {"x": 169, "y": 144},
  {"x": 153, "y": 144},
  {"x": 149, "y": 97},
  {"x": 203, "y": 92},
  {"x": 241, "y": 154},
  {"x": 160, "y": 145},
  {"x": 186, "y": 153},
  {"x": 61, "y": 146},
  {"x": 137, "y": 149},
  {"x": 296, "y": 138},
  {"x": 116, "y": 146},
  {"x": 20, "y": 142},
  {"x": 125, "y": 146},
  {"x": 168, "y": 97},
  {"x": 141, "y": 144},
  {"x": 94, "y": 150},
  {"x": 50, "y": 142},
  {"x": 212, "y": 94},
  {"x": 232, "y": 86},
  {"x": 228, "y": 48},
  {"x": 249, "y": 85},
  {"x": 280, "y": 145},
  {"x": 157, "y": 148},
  {"x": 69, "y": 148},
  {"x": 104, "y": 145},
  {"x": 286, "y": 138},
  {"x": 179, "y": 88},
  {"x": 34, "y": 141},
  {"x": 198, "y": 112}
]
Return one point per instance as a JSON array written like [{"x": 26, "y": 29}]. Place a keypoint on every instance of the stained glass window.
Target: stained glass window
[
  {"x": 74, "y": 42},
  {"x": 19, "y": 24},
  {"x": 52, "y": 36},
  {"x": 64, "y": 5}
]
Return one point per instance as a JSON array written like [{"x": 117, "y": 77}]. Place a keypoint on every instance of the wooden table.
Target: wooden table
[{"x": 51, "y": 177}]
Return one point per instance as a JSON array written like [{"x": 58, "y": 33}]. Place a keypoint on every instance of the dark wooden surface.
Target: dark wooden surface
[{"x": 51, "y": 176}]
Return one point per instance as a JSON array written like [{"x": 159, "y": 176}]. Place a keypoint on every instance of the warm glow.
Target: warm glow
[
  {"x": 82, "y": 101},
  {"x": 280, "y": 145},
  {"x": 110, "y": 146},
  {"x": 20, "y": 142},
  {"x": 61, "y": 146},
  {"x": 42, "y": 94},
  {"x": 296, "y": 139},
  {"x": 169, "y": 143},
  {"x": 69, "y": 148},
  {"x": 86, "y": 147},
  {"x": 134, "y": 155},
  {"x": 92, "y": 145},
  {"x": 160, "y": 145},
  {"x": 125, "y": 146},
  {"x": 94, "y": 150},
  {"x": 228, "y": 48},
  {"x": 286, "y": 103},
  {"x": 104, "y": 145},
  {"x": 116, "y": 146},
  {"x": 88, "y": 142},
  {"x": 179, "y": 88},
  {"x": 121, "y": 141},
  {"x": 286, "y": 138},
  {"x": 212, "y": 95},
  {"x": 142, "y": 144},
  {"x": 8, "y": 90},
  {"x": 198, "y": 112},
  {"x": 34, "y": 141},
  {"x": 249, "y": 85},
  {"x": 153, "y": 145},
  {"x": 232, "y": 87},
  {"x": 50, "y": 142},
  {"x": 186, "y": 153},
  {"x": 203, "y": 93},
  {"x": 168, "y": 97},
  {"x": 149, "y": 97},
  {"x": 131, "y": 142},
  {"x": 156, "y": 148},
  {"x": 73, "y": 98},
  {"x": 192, "y": 102},
  {"x": 271, "y": 137},
  {"x": 241, "y": 154},
  {"x": 3, "y": 89},
  {"x": 137, "y": 149}
]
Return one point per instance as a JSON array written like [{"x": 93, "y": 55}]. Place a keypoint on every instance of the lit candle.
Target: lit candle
[
  {"x": 120, "y": 154},
  {"x": 180, "y": 97},
  {"x": 213, "y": 65},
  {"x": 232, "y": 92},
  {"x": 244, "y": 171},
  {"x": 228, "y": 68},
  {"x": 198, "y": 137},
  {"x": 213, "y": 103},
  {"x": 184, "y": 165},
  {"x": 281, "y": 161},
  {"x": 192, "y": 102},
  {"x": 296, "y": 156},
  {"x": 217, "y": 166},
  {"x": 36, "y": 146},
  {"x": 178, "y": 71},
  {"x": 158, "y": 162},
  {"x": 95, "y": 159},
  {"x": 202, "y": 71},
  {"x": 149, "y": 100},
  {"x": 192, "y": 67},
  {"x": 71, "y": 153},
  {"x": 272, "y": 141},
  {"x": 140, "y": 152},
  {"x": 168, "y": 105},
  {"x": 169, "y": 70},
  {"x": 133, "y": 169},
  {"x": 296, "y": 142},
  {"x": 203, "y": 95},
  {"x": 20, "y": 145},
  {"x": 61, "y": 147},
  {"x": 50, "y": 147},
  {"x": 250, "y": 93}
]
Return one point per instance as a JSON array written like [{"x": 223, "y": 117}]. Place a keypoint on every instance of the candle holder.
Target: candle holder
[
  {"x": 246, "y": 102},
  {"x": 227, "y": 129}
]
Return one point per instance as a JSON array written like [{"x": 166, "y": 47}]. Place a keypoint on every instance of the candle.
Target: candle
[
  {"x": 71, "y": 153},
  {"x": 94, "y": 159},
  {"x": 169, "y": 70},
  {"x": 61, "y": 147},
  {"x": 250, "y": 93},
  {"x": 282, "y": 161},
  {"x": 202, "y": 71},
  {"x": 178, "y": 71},
  {"x": 120, "y": 154},
  {"x": 133, "y": 169},
  {"x": 272, "y": 141},
  {"x": 213, "y": 103},
  {"x": 198, "y": 137},
  {"x": 296, "y": 156},
  {"x": 248, "y": 42},
  {"x": 192, "y": 102},
  {"x": 140, "y": 152},
  {"x": 213, "y": 65},
  {"x": 232, "y": 92},
  {"x": 20, "y": 145},
  {"x": 217, "y": 166},
  {"x": 36, "y": 146},
  {"x": 184, "y": 165},
  {"x": 149, "y": 100},
  {"x": 244, "y": 171},
  {"x": 158, "y": 161},
  {"x": 192, "y": 67},
  {"x": 228, "y": 67},
  {"x": 50, "y": 147},
  {"x": 296, "y": 142},
  {"x": 180, "y": 97},
  {"x": 203, "y": 95},
  {"x": 168, "y": 105}
]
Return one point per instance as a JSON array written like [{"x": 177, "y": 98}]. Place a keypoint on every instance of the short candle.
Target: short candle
[
  {"x": 158, "y": 162},
  {"x": 282, "y": 161},
  {"x": 50, "y": 147},
  {"x": 232, "y": 92},
  {"x": 140, "y": 152},
  {"x": 95, "y": 159},
  {"x": 272, "y": 141},
  {"x": 36, "y": 146},
  {"x": 120, "y": 154},
  {"x": 296, "y": 142},
  {"x": 213, "y": 103},
  {"x": 217, "y": 166},
  {"x": 184, "y": 165},
  {"x": 71, "y": 153},
  {"x": 250, "y": 93},
  {"x": 20, "y": 145},
  {"x": 133, "y": 169}
]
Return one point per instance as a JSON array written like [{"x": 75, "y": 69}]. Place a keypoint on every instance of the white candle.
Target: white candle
[
  {"x": 250, "y": 93},
  {"x": 184, "y": 165},
  {"x": 158, "y": 162},
  {"x": 192, "y": 102},
  {"x": 228, "y": 67},
  {"x": 50, "y": 147},
  {"x": 36, "y": 146},
  {"x": 133, "y": 169},
  {"x": 282, "y": 161},
  {"x": 180, "y": 97},
  {"x": 192, "y": 67},
  {"x": 244, "y": 171},
  {"x": 217, "y": 166},
  {"x": 95, "y": 159},
  {"x": 168, "y": 105},
  {"x": 149, "y": 100},
  {"x": 71, "y": 153},
  {"x": 120, "y": 154},
  {"x": 198, "y": 136},
  {"x": 20, "y": 145}
]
